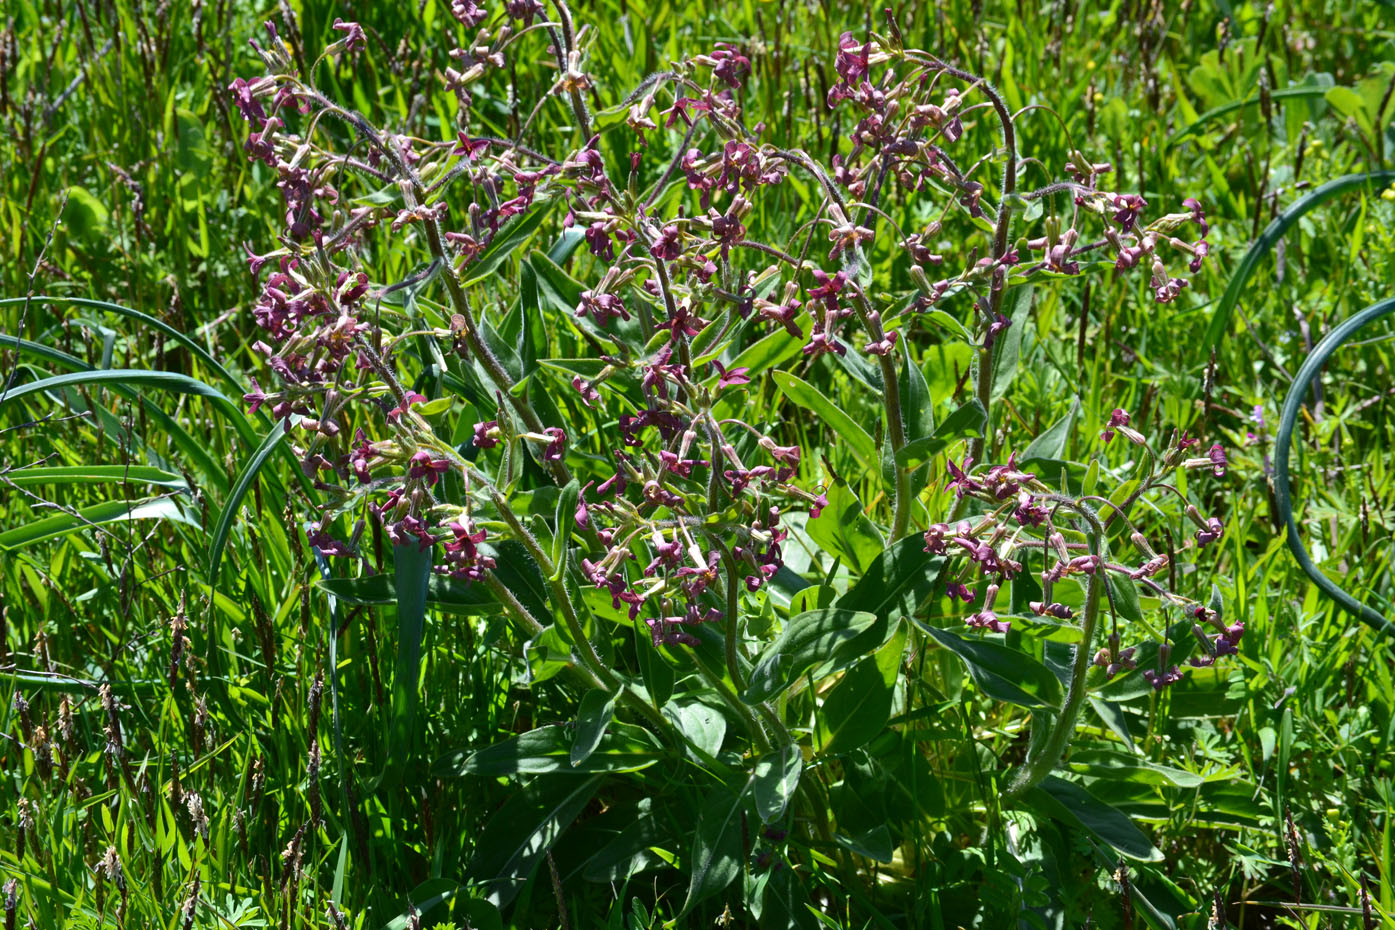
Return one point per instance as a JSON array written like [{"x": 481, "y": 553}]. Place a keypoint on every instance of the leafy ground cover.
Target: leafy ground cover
[{"x": 239, "y": 696}]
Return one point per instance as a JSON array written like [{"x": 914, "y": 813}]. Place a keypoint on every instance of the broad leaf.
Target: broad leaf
[
  {"x": 549, "y": 749},
  {"x": 808, "y": 639},
  {"x": 855, "y": 710},
  {"x": 1004, "y": 674},
  {"x": 597, "y": 709},
  {"x": 844, "y": 427},
  {"x": 522, "y": 831},
  {"x": 716, "y": 850},
  {"x": 776, "y": 778},
  {"x": 968, "y": 420},
  {"x": 1071, "y": 803}
]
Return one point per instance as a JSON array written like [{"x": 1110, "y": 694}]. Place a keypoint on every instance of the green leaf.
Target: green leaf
[
  {"x": 628, "y": 852},
  {"x": 1008, "y": 349},
  {"x": 1004, "y": 674},
  {"x": 968, "y": 420},
  {"x": 1051, "y": 442},
  {"x": 844, "y": 427},
  {"x": 557, "y": 290},
  {"x": 442, "y": 592},
  {"x": 917, "y": 406},
  {"x": 61, "y": 524},
  {"x": 505, "y": 243},
  {"x": 592, "y": 718},
  {"x": 716, "y": 849},
  {"x": 412, "y": 571},
  {"x": 772, "y": 350},
  {"x": 520, "y": 573},
  {"x": 776, "y": 778},
  {"x": 1124, "y": 595},
  {"x": 897, "y": 581},
  {"x": 95, "y": 474},
  {"x": 565, "y": 517},
  {"x": 233, "y": 504},
  {"x": 843, "y": 530},
  {"x": 1220, "y": 320},
  {"x": 549, "y": 749},
  {"x": 517, "y": 837},
  {"x": 784, "y": 903},
  {"x": 1125, "y": 766},
  {"x": 855, "y": 710},
  {"x": 703, "y": 727},
  {"x": 808, "y": 639},
  {"x": 85, "y": 215},
  {"x": 874, "y": 844},
  {"x": 1071, "y": 803}
]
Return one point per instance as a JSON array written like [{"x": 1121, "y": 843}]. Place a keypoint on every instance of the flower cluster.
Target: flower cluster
[
  {"x": 681, "y": 505},
  {"x": 1024, "y": 521}
]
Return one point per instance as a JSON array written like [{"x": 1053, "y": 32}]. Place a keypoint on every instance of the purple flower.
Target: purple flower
[
  {"x": 1057, "y": 610},
  {"x": 360, "y": 456},
  {"x": 588, "y": 392},
  {"x": 884, "y": 346},
  {"x": 852, "y": 61},
  {"x": 598, "y": 240},
  {"x": 354, "y": 37},
  {"x": 407, "y": 402},
  {"x": 1116, "y": 419},
  {"x": 987, "y": 620},
  {"x": 557, "y": 443},
  {"x": 937, "y": 539},
  {"x": 1218, "y": 459},
  {"x": 602, "y": 307},
  {"x": 828, "y": 287},
  {"x": 1162, "y": 680},
  {"x": 245, "y": 99},
  {"x": 463, "y": 558},
  {"x": 1198, "y": 215},
  {"x": 669, "y": 245},
  {"x": 731, "y": 67},
  {"x": 1199, "y": 253},
  {"x": 1130, "y": 206},
  {"x": 959, "y": 591},
  {"x": 1214, "y": 530},
  {"x": 468, "y": 13},
  {"x": 486, "y": 434},
  {"x": 730, "y": 377},
  {"x": 524, "y": 10},
  {"x": 468, "y": 147},
  {"x": 999, "y": 325},
  {"x": 422, "y": 465},
  {"x": 960, "y": 481},
  {"x": 325, "y": 544}
]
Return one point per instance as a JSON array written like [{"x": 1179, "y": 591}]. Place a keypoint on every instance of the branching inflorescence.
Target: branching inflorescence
[{"x": 677, "y": 504}]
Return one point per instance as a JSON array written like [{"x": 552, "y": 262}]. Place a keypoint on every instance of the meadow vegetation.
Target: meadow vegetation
[{"x": 644, "y": 464}]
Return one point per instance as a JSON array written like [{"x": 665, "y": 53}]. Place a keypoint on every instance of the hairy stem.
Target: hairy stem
[{"x": 1038, "y": 766}]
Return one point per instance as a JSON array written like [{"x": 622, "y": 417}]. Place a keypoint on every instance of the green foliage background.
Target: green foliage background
[{"x": 122, "y": 179}]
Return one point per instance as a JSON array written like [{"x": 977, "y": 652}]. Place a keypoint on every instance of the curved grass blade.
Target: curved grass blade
[
  {"x": 234, "y": 502},
  {"x": 1288, "y": 419},
  {"x": 197, "y": 452},
  {"x": 61, "y": 524},
  {"x": 95, "y": 474},
  {"x": 128, "y": 379},
  {"x": 1288, "y": 93},
  {"x": 1220, "y": 320},
  {"x": 412, "y": 566},
  {"x": 197, "y": 350}
]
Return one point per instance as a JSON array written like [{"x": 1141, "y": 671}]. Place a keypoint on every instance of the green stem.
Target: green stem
[{"x": 1038, "y": 766}]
